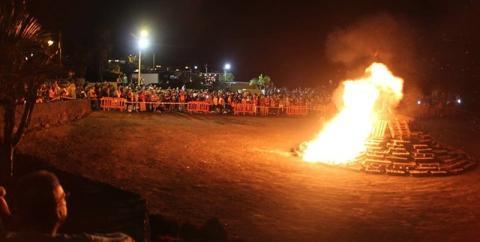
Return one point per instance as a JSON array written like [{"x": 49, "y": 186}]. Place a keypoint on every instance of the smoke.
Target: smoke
[{"x": 380, "y": 38}]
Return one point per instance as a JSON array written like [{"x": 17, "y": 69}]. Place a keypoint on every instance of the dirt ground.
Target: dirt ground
[{"x": 240, "y": 170}]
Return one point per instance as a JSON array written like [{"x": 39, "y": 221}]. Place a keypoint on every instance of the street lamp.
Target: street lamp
[
  {"x": 143, "y": 43},
  {"x": 50, "y": 42},
  {"x": 226, "y": 68}
]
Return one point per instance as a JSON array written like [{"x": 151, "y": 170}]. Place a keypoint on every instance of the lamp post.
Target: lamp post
[
  {"x": 226, "y": 67},
  {"x": 143, "y": 43}
]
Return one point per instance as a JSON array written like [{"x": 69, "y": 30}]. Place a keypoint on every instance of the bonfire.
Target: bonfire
[{"x": 366, "y": 135}]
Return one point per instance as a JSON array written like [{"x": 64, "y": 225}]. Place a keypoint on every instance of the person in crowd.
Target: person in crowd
[
  {"x": 221, "y": 104},
  {"x": 40, "y": 208},
  {"x": 93, "y": 98},
  {"x": 52, "y": 94}
]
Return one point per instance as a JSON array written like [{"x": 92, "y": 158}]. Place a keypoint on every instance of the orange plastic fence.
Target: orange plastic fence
[
  {"x": 120, "y": 104},
  {"x": 240, "y": 108},
  {"x": 297, "y": 110},
  {"x": 143, "y": 106},
  {"x": 263, "y": 110},
  {"x": 198, "y": 107},
  {"x": 110, "y": 103}
]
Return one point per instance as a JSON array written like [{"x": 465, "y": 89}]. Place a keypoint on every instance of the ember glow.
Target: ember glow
[{"x": 363, "y": 102}]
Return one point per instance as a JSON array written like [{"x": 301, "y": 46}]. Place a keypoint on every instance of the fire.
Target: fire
[{"x": 363, "y": 102}]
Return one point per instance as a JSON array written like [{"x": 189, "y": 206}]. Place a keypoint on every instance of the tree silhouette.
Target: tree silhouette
[
  {"x": 261, "y": 81},
  {"x": 26, "y": 62}
]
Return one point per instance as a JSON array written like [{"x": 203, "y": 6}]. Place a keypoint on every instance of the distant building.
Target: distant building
[
  {"x": 147, "y": 78},
  {"x": 211, "y": 77}
]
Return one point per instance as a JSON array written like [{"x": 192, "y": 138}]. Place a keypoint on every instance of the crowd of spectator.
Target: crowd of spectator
[
  {"x": 55, "y": 91},
  {"x": 156, "y": 99},
  {"x": 221, "y": 101},
  {"x": 276, "y": 97}
]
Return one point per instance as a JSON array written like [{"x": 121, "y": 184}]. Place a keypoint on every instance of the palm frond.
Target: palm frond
[
  {"x": 25, "y": 57},
  {"x": 17, "y": 24}
]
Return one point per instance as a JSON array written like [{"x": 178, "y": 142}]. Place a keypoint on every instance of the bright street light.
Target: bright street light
[
  {"x": 227, "y": 66},
  {"x": 143, "y": 43},
  {"x": 50, "y": 42}
]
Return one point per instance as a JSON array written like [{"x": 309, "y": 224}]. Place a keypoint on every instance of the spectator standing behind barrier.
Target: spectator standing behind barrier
[
  {"x": 93, "y": 98},
  {"x": 40, "y": 208}
]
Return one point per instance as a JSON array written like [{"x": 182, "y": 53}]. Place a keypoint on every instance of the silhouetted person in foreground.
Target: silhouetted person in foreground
[{"x": 40, "y": 208}]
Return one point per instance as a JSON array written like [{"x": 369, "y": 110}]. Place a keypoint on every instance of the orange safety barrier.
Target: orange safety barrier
[
  {"x": 297, "y": 110},
  {"x": 110, "y": 103},
  {"x": 198, "y": 107},
  {"x": 105, "y": 103},
  {"x": 263, "y": 110},
  {"x": 241, "y": 108},
  {"x": 143, "y": 106}
]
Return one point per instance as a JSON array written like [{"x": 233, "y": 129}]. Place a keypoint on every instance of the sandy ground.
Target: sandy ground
[{"x": 240, "y": 170}]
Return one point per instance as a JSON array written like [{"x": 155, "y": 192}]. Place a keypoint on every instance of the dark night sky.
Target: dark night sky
[{"x": 285, "y": 39}]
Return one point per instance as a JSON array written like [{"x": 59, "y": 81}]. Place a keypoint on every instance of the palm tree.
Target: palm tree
[
  {"x": 261, "y": 81},
  {"x": 25, "y": 63}
]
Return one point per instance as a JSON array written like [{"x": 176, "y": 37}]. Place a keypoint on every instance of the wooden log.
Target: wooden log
[
  {"x": 395, "y": 172},
  {"x": 430, "y": 164},
  {"x": 450, "y": 160},
  {"x": 456, "y": 171},
  {"x": 424, "y": 150},
  {"x": 423, "y": 155},
  {"x": 406, "y": 164},
  {"x": 444, "y": 157},
  {"x": 373, "y": 170},
  {"x": 439, "y": 173},
  {"x": 398, "y": 149},
  {"x": 439, "y": 151},
  {"x": 419, "y": 173},
  {"x": 420, "y": 146},
  {"x": 401, "y": 153},
  {"x": 375, "y": 156},
  {"x": 469, "y": 165},
  {"x": 378, "y": 161},
  {"x": 427, "y": 168},
  {"x": 400, "y": 141},
  {"x": 397, "y": 158}
]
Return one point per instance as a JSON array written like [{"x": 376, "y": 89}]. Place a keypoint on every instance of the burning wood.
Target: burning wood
[{"x": 364, "y": 136}]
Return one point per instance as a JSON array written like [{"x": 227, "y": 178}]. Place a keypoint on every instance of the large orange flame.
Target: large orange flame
[{"x": 363, "y": 101}]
